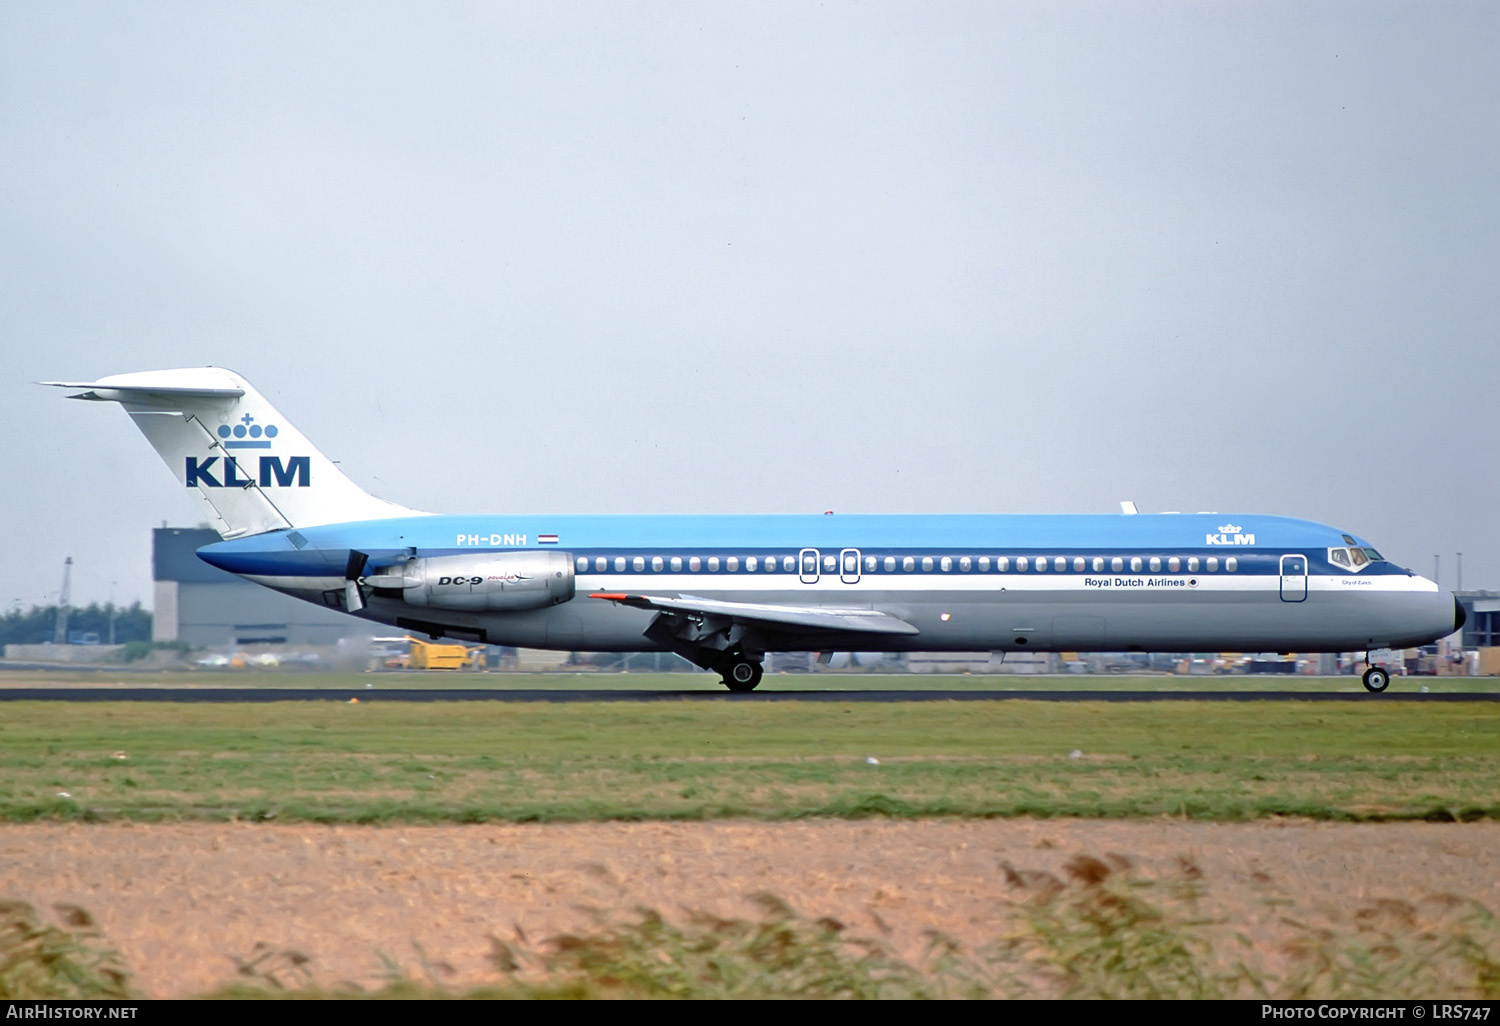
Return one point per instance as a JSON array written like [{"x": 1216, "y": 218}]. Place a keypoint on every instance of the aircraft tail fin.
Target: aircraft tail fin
[{"x": 252, "y": 469}]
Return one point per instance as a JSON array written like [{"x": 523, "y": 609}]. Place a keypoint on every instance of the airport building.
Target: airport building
[
  {"x": 1482, "y": 630},
  {"x": 211, "y": 608}
]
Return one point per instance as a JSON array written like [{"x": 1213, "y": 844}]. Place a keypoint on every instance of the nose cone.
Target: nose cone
[{"x": 1424, "y": 617}]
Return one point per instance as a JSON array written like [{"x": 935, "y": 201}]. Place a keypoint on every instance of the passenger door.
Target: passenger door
[{"x": 1293, "y": 578}]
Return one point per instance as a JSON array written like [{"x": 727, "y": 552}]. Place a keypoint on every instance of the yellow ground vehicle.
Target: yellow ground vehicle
[{"x": 409, "y": 653}]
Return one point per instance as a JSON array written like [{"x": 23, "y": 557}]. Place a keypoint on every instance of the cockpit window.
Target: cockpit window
[
  {"x": 1339, "y": 556},
  {"x": 1349, "y": 541},
  {"x": 1374, "y": 556},
  {"x": 1360, "y": 559}
]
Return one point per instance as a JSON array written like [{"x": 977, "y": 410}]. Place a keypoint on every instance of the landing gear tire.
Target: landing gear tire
[
  {"x": 1377, "y": 679},
  {"x": 742, "y": 676}
]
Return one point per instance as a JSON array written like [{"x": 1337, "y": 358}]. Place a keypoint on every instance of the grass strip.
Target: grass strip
[{"x": 433, "y": 763}]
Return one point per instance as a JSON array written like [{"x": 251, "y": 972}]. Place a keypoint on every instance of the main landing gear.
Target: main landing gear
[
  {"x": 740, "y": 674},
  {"x": 1377, "y": 679},
  {"x": 720, "y": 644}
]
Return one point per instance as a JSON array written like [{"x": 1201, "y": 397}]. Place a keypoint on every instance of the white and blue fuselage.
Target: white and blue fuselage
[
  {"x": 1166, "y": 582},
  {"x": 724, "y": 590}
]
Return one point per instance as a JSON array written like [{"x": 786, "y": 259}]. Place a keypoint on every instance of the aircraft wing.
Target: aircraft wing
[{"x": 806, "y": 618}]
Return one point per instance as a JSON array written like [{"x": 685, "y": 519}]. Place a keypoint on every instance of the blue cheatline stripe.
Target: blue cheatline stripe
[{"x": 1255, "y": 542}]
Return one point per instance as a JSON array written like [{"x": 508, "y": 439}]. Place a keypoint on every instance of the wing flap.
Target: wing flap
[{"x": 808, "y": 618}]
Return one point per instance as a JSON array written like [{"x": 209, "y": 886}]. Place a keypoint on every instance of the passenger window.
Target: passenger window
[
  {"x": 830, "y": 563},
  {"x": 1116, "y": 564},
  {"x": 770, "y": 564},
  {"x": 619, "y": 564},
  {"x": 1021, "y": 563},
  {"x": 1192, "y": 564},
  {"x": 1231, "y": 564},
  {"x": 789, "y": 563},
  {"x": 751, "y": 563},
  {"x": 1135, "y": 564},
  {"x": 601, "y": 564},
  {"x": 732, "y": 564},
  {"x": 947, "y": 564},
  {"x": 1002, "y": 564},
  {"x": 695, "y": 564},
  {"x": 1041, "y": 564},
  {"x": 1213, "y": 564},
  {"x": 1078, "y": 564},
  {"x": 1060, "y": 564},
  {"x": 676, "y": 564},
  {"x": 926, "y": 564},
  {"x": 1098, "y": 564},
  {"x": 964, "y": 565},
  {"x": 870, "y": 564},
  {"x": 984, "y": 564},
  {"x": 713, "y": 564},
  {"x": 1156, "y": 564},
  {"x": 658, "y": 564},
  {"x": 638, "y": 564},
  {"x": 890, "y": 564},
  {"x": 908, "y": 564},
  {"x": 583, "y": 564},
  {"x": 1174, "y": 564}
]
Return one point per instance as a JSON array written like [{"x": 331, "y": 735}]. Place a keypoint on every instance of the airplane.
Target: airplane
[{"x": 722, "y": 591}]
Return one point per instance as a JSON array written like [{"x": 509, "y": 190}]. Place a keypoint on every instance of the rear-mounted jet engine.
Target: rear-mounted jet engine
[{"x": 505, "y": 583}]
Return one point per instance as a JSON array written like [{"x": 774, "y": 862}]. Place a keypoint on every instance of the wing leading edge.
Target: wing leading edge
[{"x": 804, "y": 618}]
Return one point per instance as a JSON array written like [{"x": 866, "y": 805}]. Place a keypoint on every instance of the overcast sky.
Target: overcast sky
[{"x": 762, "y": 257}]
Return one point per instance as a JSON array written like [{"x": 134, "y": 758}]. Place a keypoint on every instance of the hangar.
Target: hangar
[{"x": 1482, "y": 629}]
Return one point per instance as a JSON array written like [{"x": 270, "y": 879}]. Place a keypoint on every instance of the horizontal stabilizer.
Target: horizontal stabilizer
[
  {"x": 145, "y": 395},
  {"x": 807, "y": 618}
]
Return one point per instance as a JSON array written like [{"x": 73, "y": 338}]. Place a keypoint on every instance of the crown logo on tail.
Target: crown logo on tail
[{"x": 247, "y": 434}]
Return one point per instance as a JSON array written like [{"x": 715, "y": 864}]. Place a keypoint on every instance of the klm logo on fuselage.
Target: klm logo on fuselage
[
  {"x": 1230, "y": 534},
  {"x": 296, "y": 472}
]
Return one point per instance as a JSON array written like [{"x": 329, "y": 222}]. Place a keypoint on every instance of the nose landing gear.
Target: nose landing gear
[{"x": 1377, "y": 679}]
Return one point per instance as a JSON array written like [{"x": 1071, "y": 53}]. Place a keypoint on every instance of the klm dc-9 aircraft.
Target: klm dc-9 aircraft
[{"x": 722, "y": 591}]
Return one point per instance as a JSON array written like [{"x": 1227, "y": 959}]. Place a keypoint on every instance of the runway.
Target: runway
[{"x": 79, "y": 694}]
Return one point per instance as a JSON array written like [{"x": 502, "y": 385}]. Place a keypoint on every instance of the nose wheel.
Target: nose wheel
[
  {"x": 1377, "y": 679},
  {"x": 742, "y": 675}
]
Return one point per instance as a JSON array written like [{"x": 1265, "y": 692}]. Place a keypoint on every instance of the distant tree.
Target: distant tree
[
  {"x": 29, "y": 628},
  {"x": 37, "y": 624}
]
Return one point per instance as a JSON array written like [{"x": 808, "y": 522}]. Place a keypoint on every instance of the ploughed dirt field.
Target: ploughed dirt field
[{"x": 181, "y": 900}]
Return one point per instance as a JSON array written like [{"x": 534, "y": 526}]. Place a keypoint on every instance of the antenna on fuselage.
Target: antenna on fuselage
[{"x": 1128, "y": 508}]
